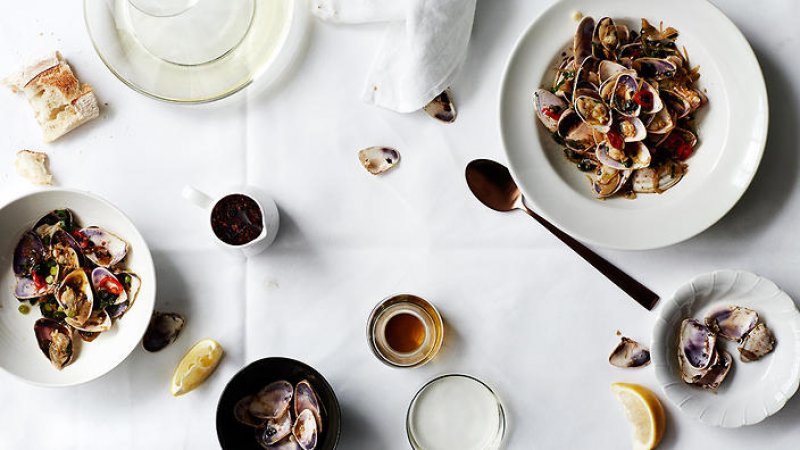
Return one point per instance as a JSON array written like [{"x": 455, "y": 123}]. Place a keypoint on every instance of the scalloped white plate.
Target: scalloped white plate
[
  {"x": 20, "y": 354},
  {"x": 752, "y": 391},
  {"x": 732, "y": 128}
]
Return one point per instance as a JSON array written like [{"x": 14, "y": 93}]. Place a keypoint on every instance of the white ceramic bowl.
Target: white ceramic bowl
[
  {"x": 21, "y": 355},
  {"x": 732, "y": 128},
  {"x": 752, "y": 391}
]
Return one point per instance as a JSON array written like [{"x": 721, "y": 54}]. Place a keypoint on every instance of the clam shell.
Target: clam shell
[
  {"x": 305, "y": 430},
  {"x": 65, "y": 250},
  {"x": 98, "y": 322},
  {"x": 629, "y": 353},
  {"x": 99, "y": 274},
  {"x": 274, "y": 430},
  {"x": 576, "y": 133},
  {"x": 757, "y": 344},
  {"x": 657, "y": 180},
  {"x": 306, "y": 398},
  {"x": 732, "y": 322},
  {"x": 582, "y": 43},
  {"x": 163, "y": 330},
  {"x": 241, "y": 411},
  {"x": 654, "y": 68},
  {"x": 715, "y": 375},
  {"x": 378, "y": 159},
  {"x": 696, "y": 344},
  {"x": 273, "y": 400},
  {"x": 442, "y": 107},
  {"x": 74, "y": 294},
  {"x": 638, "y": 154},
  {"x": 26, "y": 289},
  {"x": 55, "y": 341},
  {"x": 661, "y": 123},
  {"x": 544, "y": 100},
  {"x": 105, "y": 249},
  {"x": 625, "y": 88},
  {"x": 58, "y": 218},
  {"x": 29, "y": 251}
]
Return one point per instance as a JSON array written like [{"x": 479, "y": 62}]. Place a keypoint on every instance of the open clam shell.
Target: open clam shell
[
  {"x": 549, "y": 108},
  {"x": 582, "y": 43},
  {"x": 273, "y": 400},
  {"x": 629, "y": 353},
  {"x": 65, "y": 250},
  {"x": 98, "y": 322},
  {"x": 608, "y": 181},
  {"x": 305, "y": 398},
  {"x": 30, "y": 251},
  {"x": 305, "y": 430},
  {"x": 713, "y": 377},
  {"x": 56, "y": 219},
  {"x": 378, "y": 160},
  {"x": 576, "y": 133},
  {"x": 593, "y": 111},
  {"x": 661, "y": 123},
  {"x": 163, "y": 330},
  {"x": 442, "y": 107},
  {"x": 622, "y": 99},
  {"x": 654, "y": 68},
  {"x": 55, "y": 341},
  {"x": 108, "y": 289},
  {"x": 104, "y": 248},
  {"x": 732, "y": 322},
  {"x": 657, "y": 180},
  {"x": 274, "y": 430},
  {"x": 637, "y": 156},
  {"x": 605, "y": 34},
  {"x": 757, "y": 344},
  {"x": 74, "y": 294},
  {"x": 697, "y": 343}
]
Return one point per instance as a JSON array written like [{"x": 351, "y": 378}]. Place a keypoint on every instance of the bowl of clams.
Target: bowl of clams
[
  {"x": 78, "y": 287},
  {"x": 278, "y": 404},
  {"x": 726, "y": 348}
]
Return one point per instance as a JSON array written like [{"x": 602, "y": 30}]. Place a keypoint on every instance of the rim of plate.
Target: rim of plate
[
  {"x": 147, "y": 264},
  {"x": 526, "y": 153},
  {"x": 697, "y": 402}
]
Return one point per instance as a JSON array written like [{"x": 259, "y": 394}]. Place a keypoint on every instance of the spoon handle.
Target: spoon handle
[{"x": 635, "y": 289}]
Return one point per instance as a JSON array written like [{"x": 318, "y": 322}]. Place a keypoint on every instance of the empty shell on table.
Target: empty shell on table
[
  {"x": 378, "y": 159},
  {"x": 629, "y": 353},
  {"x": 163, "y": 330},
  {"x": 442, "y": 107}
]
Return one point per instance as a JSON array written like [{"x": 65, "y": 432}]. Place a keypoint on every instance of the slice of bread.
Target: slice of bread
[{"x": 61, "y": 102}]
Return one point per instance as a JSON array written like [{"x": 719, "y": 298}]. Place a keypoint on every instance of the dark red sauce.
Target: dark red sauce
[{"x": 236, "y": 219}]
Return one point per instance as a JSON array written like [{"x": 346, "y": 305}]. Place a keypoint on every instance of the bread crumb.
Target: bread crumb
[
  {"x": 577, "y": 15},
  {"x": 33, "y": 166}
]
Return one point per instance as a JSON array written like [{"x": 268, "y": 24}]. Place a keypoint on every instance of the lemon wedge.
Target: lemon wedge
[
  {"x": 644, "y": 412},
  {"x": 195, "y": 366}
]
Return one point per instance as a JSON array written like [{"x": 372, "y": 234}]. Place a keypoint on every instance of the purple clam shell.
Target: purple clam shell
[
  {"x": 98, "y": 275},
  {"x": 106, "y": 249},
  {"x": 29, "y": 252}
]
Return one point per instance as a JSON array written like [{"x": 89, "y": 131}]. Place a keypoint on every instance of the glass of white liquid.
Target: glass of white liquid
[
  {"x": 456, "y": 412},
  {"x": 195, "y": 50}
]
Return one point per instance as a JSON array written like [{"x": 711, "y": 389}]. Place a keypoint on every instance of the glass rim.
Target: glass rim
[{"x": 439, "y": 339}]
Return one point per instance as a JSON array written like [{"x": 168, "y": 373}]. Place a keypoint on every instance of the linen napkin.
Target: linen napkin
[{"x": 424, "y": 46}]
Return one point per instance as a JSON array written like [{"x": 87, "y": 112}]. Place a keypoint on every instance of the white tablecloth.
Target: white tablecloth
[{"x": 523, "y": 312}]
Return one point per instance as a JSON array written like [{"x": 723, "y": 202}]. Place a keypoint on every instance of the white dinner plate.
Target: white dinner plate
[
  {"x": 752, "y": 391},
  {"x": 732, "y": 128},
  {"x": 20, "y": 355}
]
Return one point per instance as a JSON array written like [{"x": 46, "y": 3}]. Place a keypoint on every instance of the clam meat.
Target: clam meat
[
  {"x": 55, "y": 341},
  {"x": 103, "y": 247},
  {"x": 74, "y": 294}
]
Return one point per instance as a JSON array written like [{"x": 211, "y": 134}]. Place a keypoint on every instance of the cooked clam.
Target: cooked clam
[
  {"x": 378, "y": 159},
  {"x": 54, "y": 220},
  {"x": 55, "y": 341},
  {"x": 442, "y": 107},
  {"x": 549, "y": 108},
  {"x": 74, "y": 294},
  {"x": 757, "y": 343},
  {"x": 629, "y": 353},
  {"x": 274, "y": 430},
  {"x": 103, "y": 247},
  {"x": 242, "y": 413},
  {"x": 162, "y": 331},
  {"x": 306, "y": 399},
  {"x": 607, "y": 181},
  {"x": 654, "y": 68},
  {"x": 65, "y": 250},
  {"x": 108, "y": 289},
  {"x": 658, "y": 180},
  {"x": 273, "y": 400},
  {"x": 305, "y": 430},
  {"x": 732, "y": 322},
  {"x": 29, "y": 252},
  {"x": 97, "y": 322}
]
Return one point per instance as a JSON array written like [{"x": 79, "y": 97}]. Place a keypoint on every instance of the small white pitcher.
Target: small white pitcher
[{"x": 269, "y": 216}]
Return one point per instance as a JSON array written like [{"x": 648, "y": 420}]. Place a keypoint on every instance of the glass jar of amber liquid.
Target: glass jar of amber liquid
[{"x": 405, "y": 331}]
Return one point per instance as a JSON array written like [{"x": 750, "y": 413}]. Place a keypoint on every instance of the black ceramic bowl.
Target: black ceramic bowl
[{"x": 233, "y": 435}]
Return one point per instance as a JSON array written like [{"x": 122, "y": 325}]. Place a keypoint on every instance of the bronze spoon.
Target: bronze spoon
[{"x": 492, "y": 184}]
